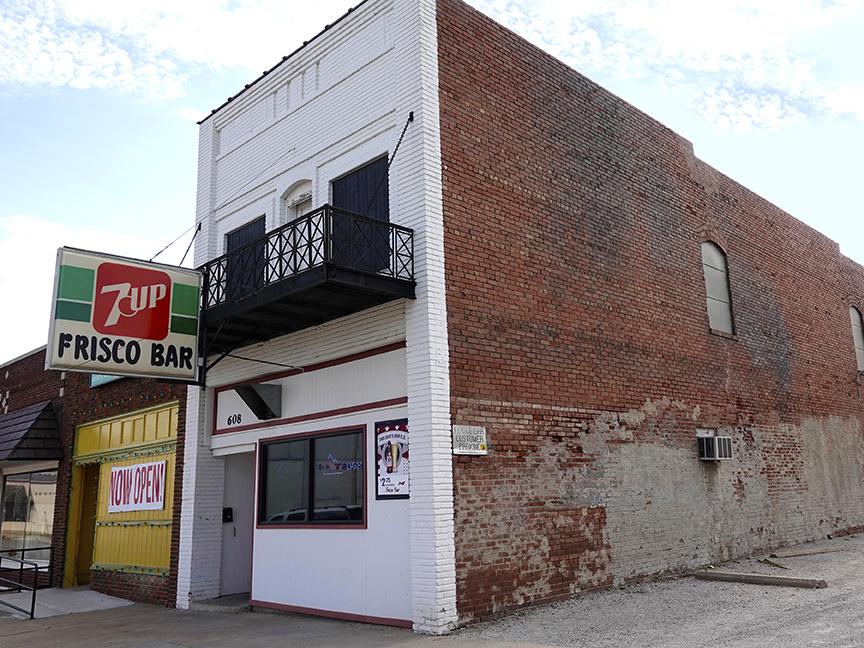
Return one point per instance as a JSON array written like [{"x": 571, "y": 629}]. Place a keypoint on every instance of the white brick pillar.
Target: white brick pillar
[
  {"x": 200, "y": 554},
  {"x": 416, "y": 177}
]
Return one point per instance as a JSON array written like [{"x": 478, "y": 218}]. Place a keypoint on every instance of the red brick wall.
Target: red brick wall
[
  {"x": 142, "y": 588},
  {"x": 76, "y": 404},
  {"x": 579, "y": 338},
  {"x": 26, "y": 382}
]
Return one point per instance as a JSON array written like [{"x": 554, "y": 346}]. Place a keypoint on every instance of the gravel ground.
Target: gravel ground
[{"x": 687, "y": 613}]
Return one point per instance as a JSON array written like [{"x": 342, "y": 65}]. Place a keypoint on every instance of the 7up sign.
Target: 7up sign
[{"x": 124, "y": 317}]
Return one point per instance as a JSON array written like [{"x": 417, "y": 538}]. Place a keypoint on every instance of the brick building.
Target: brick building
[
  {"x": 55, "y": 482},
  {"x": 538, "y": 259}
]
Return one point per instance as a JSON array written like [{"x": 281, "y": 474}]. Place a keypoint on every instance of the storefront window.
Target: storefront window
[
  {"x": 27, "y": 514},
  {"x": 286, "y": 478},
  {"x": 314, "y": 480}
]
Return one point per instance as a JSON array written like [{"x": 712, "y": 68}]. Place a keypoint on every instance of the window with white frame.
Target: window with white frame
[
  {"x": 718, "y": 294},
  {"x": 858, "y": 335},
  {"x": 298, "y": 201}
]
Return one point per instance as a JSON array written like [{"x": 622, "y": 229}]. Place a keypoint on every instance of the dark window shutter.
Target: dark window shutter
[
  {"x": 245, "y": 271},
  {"x": 246, "y": 234},
  {"x": 354, "y": 192},
  {"x": 357, "y": 243}
]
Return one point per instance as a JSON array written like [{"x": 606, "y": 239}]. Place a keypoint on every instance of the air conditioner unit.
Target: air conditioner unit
[{"x": 714, "y": 448}]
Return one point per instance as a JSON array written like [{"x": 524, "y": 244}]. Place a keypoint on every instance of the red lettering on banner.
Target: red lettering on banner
[
  {"x": 137, "y": 487},
  {"x": 149, "y": 483},
  {"x": 112, "y": 489},
  {"x": 127, "y": 484},
  {"x": 160, "y": 475}
]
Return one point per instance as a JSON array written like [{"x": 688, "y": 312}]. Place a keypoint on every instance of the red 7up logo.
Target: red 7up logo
[{"x": 132, "y": 302}]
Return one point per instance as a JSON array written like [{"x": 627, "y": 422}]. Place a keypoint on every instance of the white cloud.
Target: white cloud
[
  {"x": 149, "y": 47},
  {"x": 742, "y": 61},
  {"x": 191, "y": 114},
  {"x": 28, "y": 248}
]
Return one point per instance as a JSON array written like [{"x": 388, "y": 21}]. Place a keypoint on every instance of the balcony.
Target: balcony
[{"x": 319, "y": 267}]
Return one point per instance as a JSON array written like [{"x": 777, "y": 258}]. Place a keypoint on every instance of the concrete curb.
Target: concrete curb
[
  {"x": 761, "y": 579},
  {"x": 808, "y": 552}
]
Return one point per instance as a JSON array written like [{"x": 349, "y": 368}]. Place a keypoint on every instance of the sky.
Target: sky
[{"x": 99, "y": 99}]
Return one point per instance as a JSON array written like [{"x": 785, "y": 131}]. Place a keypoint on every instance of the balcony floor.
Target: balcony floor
[{"x": 313, "y": 297}]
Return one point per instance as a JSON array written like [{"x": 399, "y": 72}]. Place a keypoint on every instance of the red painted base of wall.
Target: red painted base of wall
[{"x": 343, "y": 616}]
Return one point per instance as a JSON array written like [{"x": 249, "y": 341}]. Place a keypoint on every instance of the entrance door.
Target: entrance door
[
  {"x": 239, "y": 502},
  {"x": 87, "y": 525}
]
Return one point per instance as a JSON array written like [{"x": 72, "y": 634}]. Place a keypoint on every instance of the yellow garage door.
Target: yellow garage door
[{"x": 123, "y": 495}]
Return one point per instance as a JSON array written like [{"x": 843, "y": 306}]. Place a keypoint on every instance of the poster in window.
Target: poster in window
[{"x": 392, "y": 461}]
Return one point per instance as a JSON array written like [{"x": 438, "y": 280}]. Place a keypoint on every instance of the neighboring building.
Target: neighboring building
[
  {"x": 543, "y": 261},
  {"x": 30, "y": 455},
  {"x": 64, "y": 439}
]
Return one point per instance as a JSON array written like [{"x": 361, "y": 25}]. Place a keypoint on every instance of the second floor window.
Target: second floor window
[
  {"x": 717, "y": 291},
  {"x": 245, "y": 271},
  {"x": 362, "y": 244},
  {"x": 858, "y": 335}
]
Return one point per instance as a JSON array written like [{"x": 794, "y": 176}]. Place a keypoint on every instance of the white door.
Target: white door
[{"x": 237, "y": 534}]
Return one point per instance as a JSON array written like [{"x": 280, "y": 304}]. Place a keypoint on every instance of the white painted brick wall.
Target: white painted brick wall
[
  {"x": 201, "y": 509},
  {"x": 419, "y": 177},
  {"x": 368, "y": 329},
  {"x": 337, "y": 104}
]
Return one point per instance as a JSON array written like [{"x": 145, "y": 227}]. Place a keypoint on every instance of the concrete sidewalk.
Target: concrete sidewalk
[
  {"x": 142, "y": 626},
  {"x": 55, "y": 601},
  {"x": 679, "y": 613}
]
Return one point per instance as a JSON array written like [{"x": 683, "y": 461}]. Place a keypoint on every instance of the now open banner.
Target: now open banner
[
  {"x": 119, "y": 316},
  {"x": 139, "y": 487}
]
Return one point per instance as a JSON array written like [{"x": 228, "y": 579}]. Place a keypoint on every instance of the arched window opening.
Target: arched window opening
[
  {"x": 298, "y": 201},
  {"x": 858, "y": 335},
  {"x": 717, "y": 291}
]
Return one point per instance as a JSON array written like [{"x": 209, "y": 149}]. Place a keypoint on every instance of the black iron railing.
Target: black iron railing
[
  {"x": 326, "y": 236},
  {"x": 21, "y": 575}
]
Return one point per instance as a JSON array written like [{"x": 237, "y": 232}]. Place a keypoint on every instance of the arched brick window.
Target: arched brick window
[
  {"x": 297, "y": 201},
  {"x": 858, "y": 335},
  {"x": 717, "y": 292}
]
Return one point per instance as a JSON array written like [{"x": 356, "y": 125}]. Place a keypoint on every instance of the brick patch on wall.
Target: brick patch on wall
[{"x": 141, "y": 588}]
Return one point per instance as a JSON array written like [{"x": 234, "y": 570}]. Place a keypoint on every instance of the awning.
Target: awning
[{"x": 30, "y": 433}]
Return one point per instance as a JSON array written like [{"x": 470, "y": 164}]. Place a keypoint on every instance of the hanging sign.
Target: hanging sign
[
  {"x": 124, "y": 317},
  {"x": 469, "y": 440},
  {"x": 392, "y": 461},
  {"x": 139, "y": 487}
]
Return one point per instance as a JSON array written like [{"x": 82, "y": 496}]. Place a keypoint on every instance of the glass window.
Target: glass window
[
  {"x": 286, "y": 482},
  {"x": 337, "y": 483},
  {"x": 858, "y": 335},
  {"x": 298, "y": 201},
  {"x": 314, "y": 480},
  {"x": 717, "y": 291},
  {"x": 27, "y": 514},
  {"x": 301, "y": 208}
]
